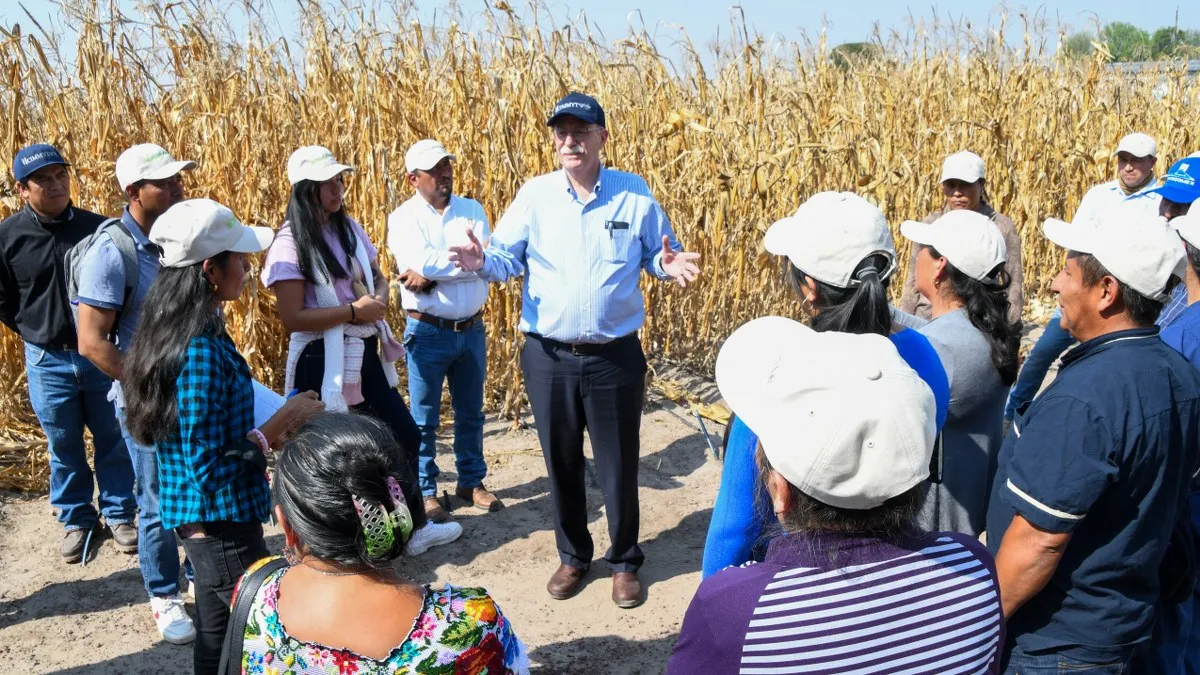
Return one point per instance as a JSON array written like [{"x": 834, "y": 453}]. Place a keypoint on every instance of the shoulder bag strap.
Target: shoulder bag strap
[{"x": 235, "y": 631}]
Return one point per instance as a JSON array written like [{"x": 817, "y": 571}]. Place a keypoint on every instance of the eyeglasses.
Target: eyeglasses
[{"x": 561, "y": 133}]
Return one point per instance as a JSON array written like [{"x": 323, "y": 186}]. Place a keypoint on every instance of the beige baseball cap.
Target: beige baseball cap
[
  {"x": 965, "y": 166},
  {"x": 147, "y": 161},
  {"x": 1139, "y": 249},
  {"x": 830, "y": 234},
  {"x": 968, "y": 239},
  {"x": 424, "y": 155},
  {"x": 195, "y": 230},
  {"x": 1188, "y": 227},
  {"x": 1138, "y": 145},
  {"x": 841, "y": 416},
  {"x": 315, "y": 163}
]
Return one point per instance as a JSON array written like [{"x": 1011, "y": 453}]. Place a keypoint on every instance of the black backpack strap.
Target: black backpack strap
[{"x": 239, "y": 614}]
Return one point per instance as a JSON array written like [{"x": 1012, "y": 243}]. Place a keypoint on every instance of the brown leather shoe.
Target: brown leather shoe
[
  {"x": 434, "y": 511},
  {"x": 479, "y": 497},
  {"x": 565, "y": 582},
  {"x": 627, "y": 590}
]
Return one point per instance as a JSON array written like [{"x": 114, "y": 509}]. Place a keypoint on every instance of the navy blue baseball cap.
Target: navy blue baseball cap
[
  {"x": 577, "y": 105},
  {"x": 33, "y": 157},
  {"x": 1182, "y": 183}
]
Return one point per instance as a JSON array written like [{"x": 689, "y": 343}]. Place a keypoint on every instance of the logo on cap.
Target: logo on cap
[{"x": 26, "y": 161}]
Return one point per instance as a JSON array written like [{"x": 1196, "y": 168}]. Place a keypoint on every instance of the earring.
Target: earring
[
  {"x": 291, "y": 556},
  {"x": 806, "y": 304}
]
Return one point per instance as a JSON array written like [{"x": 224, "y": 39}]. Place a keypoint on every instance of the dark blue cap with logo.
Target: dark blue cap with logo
[
  {"x": 577, "y": 105},
  {"x": 33, "y": 157},
  {"x": 1182, "y": 183}
]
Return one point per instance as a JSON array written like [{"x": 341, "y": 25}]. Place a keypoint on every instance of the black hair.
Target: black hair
[
  {"x": 862, "y": 308},
  {"x": 330, "y": 458},
  {"x": 893, "y": 520},
  {"x": 180, "y": 305},
  {"x": 312, "y": 251},
  {"x": 1142, "y": 311},
  {"x": 987, "y": 307},
  {"x": 1193, "y": 255}
]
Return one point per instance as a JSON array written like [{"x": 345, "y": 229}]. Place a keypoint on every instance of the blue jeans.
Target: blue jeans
[
  {"x": 1051, "y": 345},
  {"x": 68, "y": 393},
  {"x": 158, "y": 555},
  {"x": 436, "y": 355},
  {"x": 1024, "y": 663}
]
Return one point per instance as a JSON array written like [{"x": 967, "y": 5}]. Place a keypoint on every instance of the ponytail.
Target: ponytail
[{"x": 862, "y": 308}]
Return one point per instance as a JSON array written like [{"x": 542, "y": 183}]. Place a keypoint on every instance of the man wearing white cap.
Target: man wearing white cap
[
  {"x": 114, "y": 276},
  {"x": 444, "y": 337},
  {"x": 846, "y": 431},
  {"x": 964, "y": 187},
  {"x": 1095, "y": 473}
]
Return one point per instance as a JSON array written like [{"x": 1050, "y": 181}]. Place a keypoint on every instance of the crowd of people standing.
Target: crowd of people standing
[{"x": 896, "y": 494}]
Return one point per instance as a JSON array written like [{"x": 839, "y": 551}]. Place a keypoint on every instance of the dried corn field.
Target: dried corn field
[{"x": 727, "y": 145}]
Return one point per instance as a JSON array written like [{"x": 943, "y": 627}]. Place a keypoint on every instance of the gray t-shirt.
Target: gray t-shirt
[{"x": 973, "y": 431}]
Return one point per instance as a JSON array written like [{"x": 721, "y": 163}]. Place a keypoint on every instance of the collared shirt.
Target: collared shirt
[
  {"x": 581, "y": 259},
  {"x": 1102, "y": 198},
  {"x": 102, "y": 278},
  {"x": 200, "y": 480},
  {"x": 33, "y": 278},
  {"x": 1105, "y": 453},
  {"x": 828, "y": 603},
  {"x": 1183, "y": 335},
  {"x": 420, "y": 239},
  {"x": 1174, "y": 307}
]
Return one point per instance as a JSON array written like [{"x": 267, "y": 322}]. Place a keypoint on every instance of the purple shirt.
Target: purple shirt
[
  {"x": 283, "y": 262},
  {"x": 930, "y": 604}
]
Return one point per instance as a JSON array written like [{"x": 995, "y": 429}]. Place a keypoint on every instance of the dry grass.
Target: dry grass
[{"x": 726, "y": 151}]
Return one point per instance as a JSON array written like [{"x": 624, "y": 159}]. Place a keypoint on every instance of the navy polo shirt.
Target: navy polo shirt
[{"x": 1105, "y": 453}]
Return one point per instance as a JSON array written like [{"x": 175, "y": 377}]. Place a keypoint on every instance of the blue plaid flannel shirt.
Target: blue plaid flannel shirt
[
  {"x": 198, "y": 482},
  {"x": 1174, "y": 307}
]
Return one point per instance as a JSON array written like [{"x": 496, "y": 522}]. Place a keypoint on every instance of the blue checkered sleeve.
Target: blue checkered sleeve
[
  {"x": 201, "y": 418},
  {"x": 1174, "y": 307}
]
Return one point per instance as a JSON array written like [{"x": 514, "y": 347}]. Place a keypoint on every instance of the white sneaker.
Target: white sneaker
[
  {"x": 174, "y": 624},
  {"x": 433, "y": 534}
]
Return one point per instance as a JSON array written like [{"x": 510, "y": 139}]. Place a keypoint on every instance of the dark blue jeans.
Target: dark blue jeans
[
  {"x": 158, "y": 552},
  {"x": 68, "y": 393},
  {"x": 1023, "y": 663},
  {"x": 437, "y": 355},
  {"x": 1051, "y": 345}
]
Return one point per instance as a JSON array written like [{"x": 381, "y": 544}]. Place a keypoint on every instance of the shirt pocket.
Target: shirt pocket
[{"x": 620, "y": 245}]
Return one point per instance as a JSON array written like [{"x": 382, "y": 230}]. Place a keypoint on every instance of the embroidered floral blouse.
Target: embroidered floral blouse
[{"x": 460, "y": 631}]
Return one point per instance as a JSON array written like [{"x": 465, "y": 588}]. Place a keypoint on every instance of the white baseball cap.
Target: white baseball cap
[
  {"x": 830, "y": 234},
  {"x": 1138, "y": 145},
  {"x": 841, "y": 416},
  {"x": 195, "y": 230},
  {"x": 424, "y": 155},
  {"x": 148, "y": 161},
  {"x": 968, "y": 239},
  {"x": 965, "y": 166},
  {"x": 1188, "y": 227},
  {"x": 1137, "y": 248},
  {"x": 315, "y": 163}
]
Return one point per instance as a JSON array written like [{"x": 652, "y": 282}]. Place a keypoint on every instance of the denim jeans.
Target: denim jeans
[
  {"x": 158, "y": 553},
  {"x": 1051, "y": 345},
  {"x": 437, "y": 355},
  {"x": 68, "y": 393},
  {"x": 1024, "y": 663},
  {"x": 221, "y": 558}
]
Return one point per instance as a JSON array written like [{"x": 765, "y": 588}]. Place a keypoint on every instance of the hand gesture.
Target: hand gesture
[
  {"x": 369, "y": 309},
  {"x": 679, "y": 266},
  {"x": 295, "y": 411},
  {"x": 470, "y": 256},
  {"x": 414, "y": 282}
]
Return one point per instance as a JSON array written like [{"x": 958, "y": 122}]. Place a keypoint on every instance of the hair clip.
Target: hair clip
[
  {"x": 377, "y": 528},
  {"x": 402, "y": 520}
]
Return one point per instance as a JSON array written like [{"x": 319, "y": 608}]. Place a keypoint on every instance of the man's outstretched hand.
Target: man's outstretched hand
[
  {"x": 679, "y": 266},
  {"x": 470, "y": 256}
]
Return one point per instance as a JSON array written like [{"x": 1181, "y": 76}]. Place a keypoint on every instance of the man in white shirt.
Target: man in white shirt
[
  {"x": 444, "y": 335},
  {"x": 1136, "y": 155}
]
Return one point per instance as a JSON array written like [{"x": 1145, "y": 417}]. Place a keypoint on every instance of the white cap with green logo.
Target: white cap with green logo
[{"x": 195, "y": 230}]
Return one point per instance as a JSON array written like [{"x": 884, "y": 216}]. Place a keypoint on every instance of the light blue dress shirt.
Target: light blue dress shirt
[{"x": 581, "y": 260}]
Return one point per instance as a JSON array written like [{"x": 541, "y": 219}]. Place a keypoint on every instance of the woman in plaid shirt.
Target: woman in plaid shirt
[{"x": 188, "y": 391}]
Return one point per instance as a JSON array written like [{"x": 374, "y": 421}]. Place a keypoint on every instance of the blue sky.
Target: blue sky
[{"x": 706, "y": 20}]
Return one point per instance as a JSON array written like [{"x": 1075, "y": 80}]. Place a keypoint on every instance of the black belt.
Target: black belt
[
  {"x": 456, "y": 325},
  {"x": 582, "y": 348}
]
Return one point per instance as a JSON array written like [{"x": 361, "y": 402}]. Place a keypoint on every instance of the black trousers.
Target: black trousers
[
  {"x": 220, "y": 558},
  {"x": 602, "y": 393},
  {"x": 382, "y": 402}
]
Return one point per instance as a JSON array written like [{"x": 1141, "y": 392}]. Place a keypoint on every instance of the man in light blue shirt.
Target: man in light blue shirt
[
  {"x": 151, "y": 180},
  {"x": 580, "y": 236}
]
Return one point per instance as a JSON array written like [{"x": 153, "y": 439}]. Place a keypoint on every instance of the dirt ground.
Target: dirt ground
[{"x": 59, "y": 618}]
